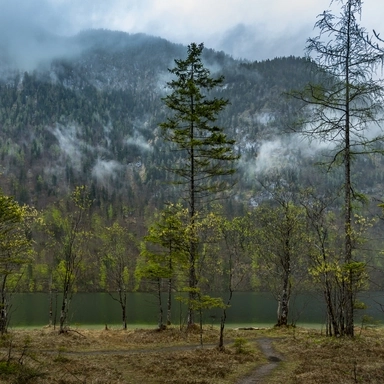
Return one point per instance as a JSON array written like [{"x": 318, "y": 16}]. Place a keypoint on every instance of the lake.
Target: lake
[{"x": 247, "y": 309}]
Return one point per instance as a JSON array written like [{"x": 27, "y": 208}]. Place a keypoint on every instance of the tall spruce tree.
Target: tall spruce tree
[
  {"x": 206, "y": 155},
  {"x": 344, "y": 107}
]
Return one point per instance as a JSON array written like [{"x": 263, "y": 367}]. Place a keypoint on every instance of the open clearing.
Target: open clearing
[{"x": 172, "y": 356}]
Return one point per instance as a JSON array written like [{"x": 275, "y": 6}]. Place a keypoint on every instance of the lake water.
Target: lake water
[{"x": 247, "y": 308}]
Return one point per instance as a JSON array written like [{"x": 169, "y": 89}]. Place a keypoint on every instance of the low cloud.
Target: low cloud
[
  {"x": 103, "y": 170},
  {"x": 30, "y": 34},
  {"x": 140, "y": 142},
  {"x": 30, "y": 30},
  {"x": 69, "y": 143},
  {"x": 255, "y": 43},
  {"x": 284, "y": 152}
]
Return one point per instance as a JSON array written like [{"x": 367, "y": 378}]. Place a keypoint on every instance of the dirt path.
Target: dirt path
[
  {"x": 256, "y": 377},
  {"x": 259, "y": 374}
]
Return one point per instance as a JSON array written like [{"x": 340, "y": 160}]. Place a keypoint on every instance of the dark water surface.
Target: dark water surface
[{"x": 247, "y": 308}]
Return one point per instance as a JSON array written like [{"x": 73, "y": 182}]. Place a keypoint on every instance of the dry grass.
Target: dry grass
[
  {"x": 313, "y": 358},
  {"x": 172, "y": 356},
  {"x": 116, "y": 356}
]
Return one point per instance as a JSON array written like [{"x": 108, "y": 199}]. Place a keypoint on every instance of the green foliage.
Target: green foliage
[
  {"x": 16, "y": 249},
  {"x": 359, "y": 305},
  {"x": 15, "y": 234},
  {"x": 103, "y": 276},
  {"x": 356, "y": 274},
  {"x": 68, "y": 237},
  {"x": 231, "y": 250},
  {"x": 369, "y": 322},
  {"x": 116, "y": 248},
  {"x": 282, "y": 243},
  {"x": 164, "y": 251},
  {"x": 37, "y": 277},
  {"x": 7, "y": 368},
  {"x": 242, "y": 346},
  {"x": 125, "y": 275},
  {"x": 200, "y": 302}
]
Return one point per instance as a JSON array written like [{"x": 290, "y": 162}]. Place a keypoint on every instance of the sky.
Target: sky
[{"x": 248, "y": 29}]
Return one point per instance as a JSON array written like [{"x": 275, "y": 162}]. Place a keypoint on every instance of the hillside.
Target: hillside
[{"x": 89, "y": 114}]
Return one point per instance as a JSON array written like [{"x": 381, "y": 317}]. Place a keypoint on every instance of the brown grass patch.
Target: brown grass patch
[
  {"x": 173, "y": 356},
  {"x": 117, "y": 356},
  {"x": 313, "y": 358},
  {"x": 196, "y": 366}
]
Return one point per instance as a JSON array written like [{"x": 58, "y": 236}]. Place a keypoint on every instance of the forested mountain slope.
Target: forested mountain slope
[
  {"x": 88, "y": 113},
  {"x": 90, "y": 116}
]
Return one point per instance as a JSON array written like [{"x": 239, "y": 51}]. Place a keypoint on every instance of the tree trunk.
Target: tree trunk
[
  {"x": 3, "y": 307},
  {"x": 192, "y": 295},
  {"x": 160, "y": 324},
  {"x": 169, "y": 302},
  {"x": 333, "y": 329},
  {"x": 192, "y": 202},
  {"x": 286, "y": 292},
  {"x": 63, "y": 313},
  {"x": 224, "y": 315},
  {"x": 124, "y": 315},
  {"x": 64, "y": 305},
  {"x": 50, "y": 303},
  {"x": 123, "y": 304},
  {"x": 192, "y": 292},
  {"x": 284, "y": 308},
  {"x": 349, "y": 310}
]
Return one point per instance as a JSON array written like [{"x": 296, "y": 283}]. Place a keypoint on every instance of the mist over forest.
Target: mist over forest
[
  {"x": 92, "y": 105},
  {"x": 177, "y": 194},
  {"x": 85, "y": 110}
]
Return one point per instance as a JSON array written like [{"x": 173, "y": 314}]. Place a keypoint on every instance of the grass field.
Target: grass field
[{"x": 147, "y": 356}]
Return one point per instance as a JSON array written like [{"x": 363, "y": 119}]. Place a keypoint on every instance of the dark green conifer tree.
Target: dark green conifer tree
[{"x": 206, "y": 155}]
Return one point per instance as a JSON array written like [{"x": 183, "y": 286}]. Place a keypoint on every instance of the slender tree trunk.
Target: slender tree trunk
[
  {"x": 160, "y": 321},
  {"x": 65, "y": 302},
  {"x": 334, "y": 328},
  {"x": 3, "y": 307},
  {"x": 348, "y": 284},
  {"x": 283, "y": 320},
  {"x": 222, "y": 326},
  {"x": 341, "y": 313},
  {"x": 123, "y": 304},
  {"x": 285, "y": 296},
  {"x": 63, "y": 313},
  {"x": 201, "y": 325},
  {"x": 50, "y": 302},
  {"x": 55, "y": 314},
  {"x": 192, "y": 286},
  {"x": 192, "y": 191},
  {"x": 284, "y": 305},
  {"x": 169, "y": 302},
  {"x": 224, "y": 318},
  {"x": 349, "y": 310}
]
